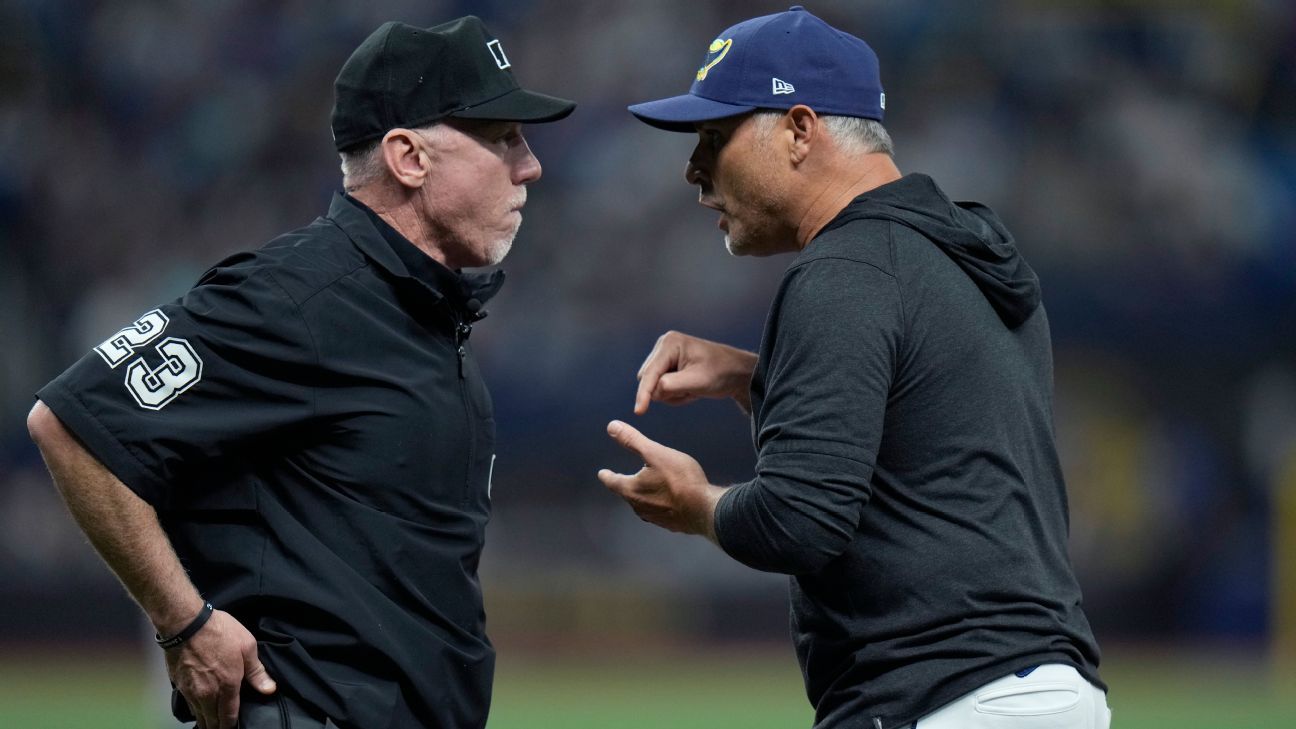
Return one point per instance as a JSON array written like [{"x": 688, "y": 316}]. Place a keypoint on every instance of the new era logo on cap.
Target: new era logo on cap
[{"x": 782, "y": 87}]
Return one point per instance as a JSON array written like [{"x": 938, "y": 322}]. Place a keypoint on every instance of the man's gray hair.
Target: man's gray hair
[
  {"x": 364, "y": 165},
  {"x": 854, "y": 135}
]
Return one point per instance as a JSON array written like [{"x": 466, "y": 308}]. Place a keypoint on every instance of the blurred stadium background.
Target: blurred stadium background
[{"x": 1144, "y": 152}]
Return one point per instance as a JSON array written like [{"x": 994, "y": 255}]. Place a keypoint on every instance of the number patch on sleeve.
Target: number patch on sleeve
[
  {"x": 119, "y": 347},
  {"x": 153, "y": 387}
]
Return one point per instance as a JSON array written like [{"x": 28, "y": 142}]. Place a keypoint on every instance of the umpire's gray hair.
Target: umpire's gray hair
[
  {"x": 854, "y": 135},
  {"x": 364, "y": 165}
]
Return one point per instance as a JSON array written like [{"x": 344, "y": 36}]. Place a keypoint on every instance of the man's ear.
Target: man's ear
[
  {"x": 806, "y": 128},
  {"x": 405, "y": 155}
]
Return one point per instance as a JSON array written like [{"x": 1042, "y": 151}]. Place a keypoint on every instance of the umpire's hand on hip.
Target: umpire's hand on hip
[
  {"x": 681, "y": 368},
  {"x": 209, "y": 670},
  {"x": 670, "y": 490}
]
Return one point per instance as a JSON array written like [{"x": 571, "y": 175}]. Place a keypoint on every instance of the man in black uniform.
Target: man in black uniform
[
  {"x": 907, "y": 477},
  {"x": 289, "y": 467}
]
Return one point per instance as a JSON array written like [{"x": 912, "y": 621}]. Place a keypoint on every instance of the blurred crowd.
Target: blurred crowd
[{"x": 1144, "y": 153}]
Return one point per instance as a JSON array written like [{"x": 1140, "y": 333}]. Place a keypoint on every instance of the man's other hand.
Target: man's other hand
[
  {"x": 209, "y": 670},
  {"x": 682, "y": 368},
  {"x": 670, "y": 490}
]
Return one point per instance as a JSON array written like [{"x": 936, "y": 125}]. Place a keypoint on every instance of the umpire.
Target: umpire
[
  {"x": 907, "y": 477},
  {"x": 289, "y": 467}
]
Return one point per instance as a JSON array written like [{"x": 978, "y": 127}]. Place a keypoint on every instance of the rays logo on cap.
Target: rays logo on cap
[
  {"x": 775, "y": 62},
  {"x": 715, "y": 53}
]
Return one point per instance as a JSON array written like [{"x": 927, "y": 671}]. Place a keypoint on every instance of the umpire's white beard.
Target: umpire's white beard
[{"x": 498, "y": 250}]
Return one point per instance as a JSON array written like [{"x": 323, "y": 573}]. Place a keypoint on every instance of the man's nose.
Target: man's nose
[
  {"x": 694, "y": 174},
  {"x": 527, "y": 169}
]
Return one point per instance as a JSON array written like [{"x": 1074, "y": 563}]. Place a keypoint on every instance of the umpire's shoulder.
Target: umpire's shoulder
[{"x": 300, "y": 263}]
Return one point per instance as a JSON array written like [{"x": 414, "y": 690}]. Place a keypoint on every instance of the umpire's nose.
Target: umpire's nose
[{"x": 526, "y": 166}]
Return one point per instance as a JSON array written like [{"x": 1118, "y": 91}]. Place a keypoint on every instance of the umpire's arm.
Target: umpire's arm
[{"x": 124, "y": 529}]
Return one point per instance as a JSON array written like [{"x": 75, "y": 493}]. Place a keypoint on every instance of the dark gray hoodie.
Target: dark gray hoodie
[{"x": 907, "y": 476}]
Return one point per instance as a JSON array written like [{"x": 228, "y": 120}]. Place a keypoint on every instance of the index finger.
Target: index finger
[
  {"x": 652, "y": 452},
  {"x": 658, "y": 363},
  {"x": 657, "y": 345}
]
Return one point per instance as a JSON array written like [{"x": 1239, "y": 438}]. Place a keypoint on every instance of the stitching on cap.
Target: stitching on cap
[
  {"x": 742, "y": 78},
  {"x": 385, "y": 103}
]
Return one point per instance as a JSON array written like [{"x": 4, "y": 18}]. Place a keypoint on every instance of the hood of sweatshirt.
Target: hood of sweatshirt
[{"x": 970, "y": 233}]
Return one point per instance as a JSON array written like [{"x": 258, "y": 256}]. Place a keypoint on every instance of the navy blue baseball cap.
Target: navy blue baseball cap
[{"x": 776, "y": 62}]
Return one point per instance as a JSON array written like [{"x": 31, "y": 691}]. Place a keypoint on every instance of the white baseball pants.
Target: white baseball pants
[{"x": 1052, "y": 696}]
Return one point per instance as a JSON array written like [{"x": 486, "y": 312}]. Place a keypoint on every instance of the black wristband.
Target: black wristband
[{"x": 193, "y": 627}]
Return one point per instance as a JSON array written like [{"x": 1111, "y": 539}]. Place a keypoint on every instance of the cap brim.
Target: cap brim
[
  {"x": 680, "y": 113},
  {"x": 520, "y": 105}
]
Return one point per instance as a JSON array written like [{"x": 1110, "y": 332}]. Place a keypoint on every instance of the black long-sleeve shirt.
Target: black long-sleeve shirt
[{"x": 907, "y": 476}]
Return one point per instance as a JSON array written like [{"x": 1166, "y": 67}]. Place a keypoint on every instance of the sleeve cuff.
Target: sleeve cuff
[
  {"x": 102, "y": 444},
  {"x": 728, "y": 517}
]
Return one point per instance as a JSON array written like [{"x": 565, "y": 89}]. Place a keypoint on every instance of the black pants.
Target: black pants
[{"x": 278, "y": 711}]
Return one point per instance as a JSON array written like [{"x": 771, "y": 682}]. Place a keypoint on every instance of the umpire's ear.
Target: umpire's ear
[{"x": 405, "y": 154}]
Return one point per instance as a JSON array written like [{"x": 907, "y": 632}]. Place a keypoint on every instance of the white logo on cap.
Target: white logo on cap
[
  {"x": 497, "y": 51},
  {"x": 882, "y": 100},
  {"x": 782, "y": 87}
]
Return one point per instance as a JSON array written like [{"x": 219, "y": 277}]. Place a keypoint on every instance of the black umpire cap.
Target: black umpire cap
[{"x": 402, "y": 76}]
